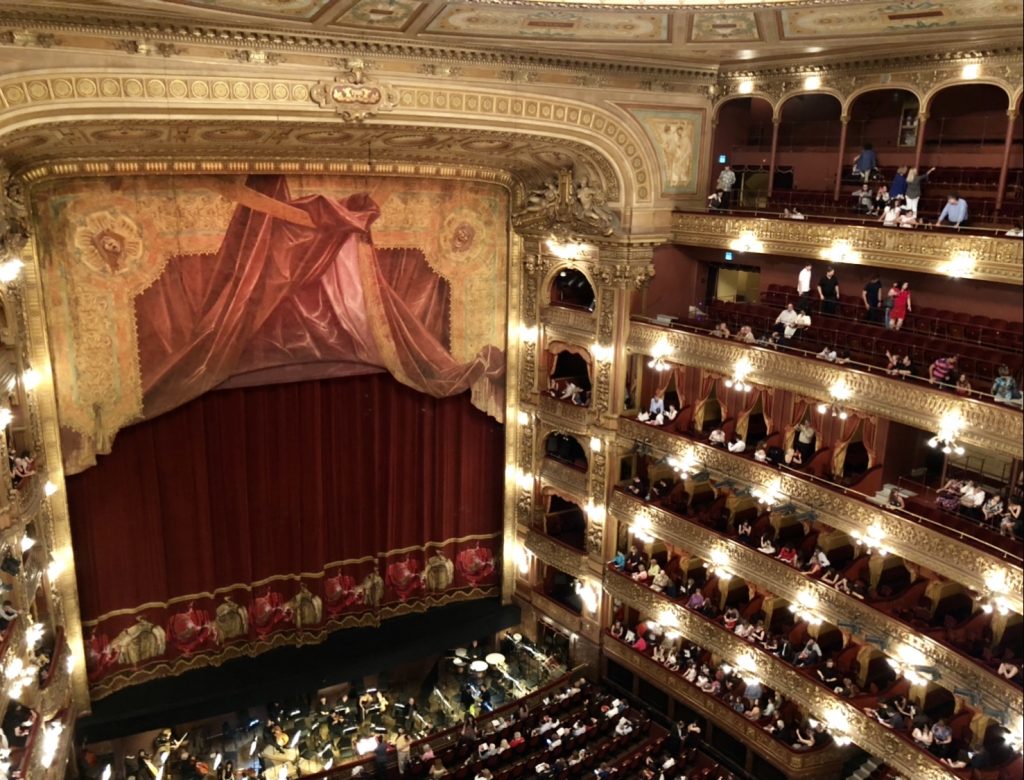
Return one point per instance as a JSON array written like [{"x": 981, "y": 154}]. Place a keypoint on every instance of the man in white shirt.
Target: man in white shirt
[
  {"x": 803, "y": 286},
  {"x": 737, "y": 445},
  {"x": 726, "y": 180},
  {"x": 802, "y": 321},
  {"x": 786, "y": 317},
  {"x": 623, "y": 727}
]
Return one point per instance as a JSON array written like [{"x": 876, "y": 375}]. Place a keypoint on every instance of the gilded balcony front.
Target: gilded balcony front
[
  {"x": 912, "y": 541},
  {"x": 982, "y": 690},
  {"x": 922, "y": 251},
  {"x": 815, "y": 699},
  {"x": 561, "y": 556},
  {"x": 564, "y": 477},
  {"x": 989, "y": 426}
]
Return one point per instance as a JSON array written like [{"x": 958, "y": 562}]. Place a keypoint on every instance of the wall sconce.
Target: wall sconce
[
  {"x": 841, "y": 393},
  {"x": 950, "y": 427},
  {"x": 838, "y": 726},
  {"x": 911, "y": 664},
  {"x": 588, "y": 593},
  {"x": 668, "y": 619},
  {"x": 596, "y": 512},
  {"x": 769, "y": 494},
  {"x": 812, "y": 82},
  {"x": 595, "y": 444},
  {"x": 523, "y": 418},
  {"x": 659, "y": 352},
  {"x": 49, "y": 488},
  {"x": 522, "y": 559},
  {"x": 641, "y": 528},
  {"x": 747, "y": 242},
  {"x": 6, "y": 416},
  {"x": 961, "y": 264},
  {"x": 19, "y": 675},
  {"x": 871, "y": 539},
  {"x": 841, "y": 251},
  {"x": 740, "y": 372},
  {"x": 746, "y": 87},
  {"x": 55, "y": 569},
  {"x": 30, "y": 379},
  {"x": 51, "y": 741},
  {"x": 10, "y": 269},
  {"x": 602, "y": 353},
  {"x": 996, "y": 590},
  {"x": 1015, "y": 738},
  {"x": 686, "y": 465},
  {"x": 718, "y": 564},
  {"x": 32, "y": 636},
  {"x": 27, "y": 543},
  {"x": 970, "y": 71},
  {"x": 528, "y": 333},
  {"x": 804, "y": 607}
]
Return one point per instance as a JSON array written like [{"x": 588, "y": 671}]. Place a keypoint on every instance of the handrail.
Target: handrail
[
  {"x": 849, "y": 365},
  {"x": 836, "y": 606}
]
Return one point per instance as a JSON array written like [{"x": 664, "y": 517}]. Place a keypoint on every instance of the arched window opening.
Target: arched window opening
[
  {"x": 565, "y": 522},
  {"x": 570, "y": 288},
  {"x": 565, "y": 449}
]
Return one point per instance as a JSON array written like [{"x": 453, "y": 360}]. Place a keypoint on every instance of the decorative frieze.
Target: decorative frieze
[
  {"x": 560, "y": 556},
  {"x": 565, "y": 478}
]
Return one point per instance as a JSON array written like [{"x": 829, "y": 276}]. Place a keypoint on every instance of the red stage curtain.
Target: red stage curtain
[{"x": 343, "y": 492}]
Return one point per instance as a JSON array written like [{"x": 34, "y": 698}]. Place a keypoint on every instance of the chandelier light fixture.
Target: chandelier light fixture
[
  {"x": 747, "y": 241},
  {"x": 641, "y": 528},
  {"x": 740, "y": 372},
  {"x": 871, "y": 539},
  {"x": 805, "y": 606},
  {"x": 602, "y": 353},
  {"x": 10, "y": 269},
  {"x": 686, "y": 465},
  {"x": 719, "y": 565},
  {"x": 769, "y": 494},
  {"x": 840, "y": 393},
  {"x": 588, "y": 593},
  {"x": 659, "y": 352},
  {"x": 950, "y": 427},
  {"x": 960, "y": 265}
]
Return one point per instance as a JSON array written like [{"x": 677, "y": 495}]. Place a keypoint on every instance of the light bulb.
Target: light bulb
[
  {"x": 49, "y": 488},
  {"x": 27, "y": 543},
  {"x": 30, "y": 379}
]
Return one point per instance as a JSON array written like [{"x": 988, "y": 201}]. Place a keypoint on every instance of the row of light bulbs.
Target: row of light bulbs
[{"x": 813, "y": 81}]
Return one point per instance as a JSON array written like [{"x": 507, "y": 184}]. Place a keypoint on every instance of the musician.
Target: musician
[
  {"x": 366, "y": 701},
  {"x": 147, "y": 768},
  {"x": 380, "y": 758},
  {"x": 226, "y": 771},
  {"x": 163, "y": 742}
]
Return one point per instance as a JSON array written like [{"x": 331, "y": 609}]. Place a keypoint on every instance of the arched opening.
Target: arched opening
[
  {"x": 964, "y": 140},
  {"x": 743, "y": 140},
  {"x": 565, "y": 449},
  {"x": 809, "y": 130},
  {"x": 565, "y": 521},
  {"x": 569, "y": 378},
  {"x": 886, "y": 119},
  {"x": 561, "y": 587},
  {"x": 570, "y": 288}
]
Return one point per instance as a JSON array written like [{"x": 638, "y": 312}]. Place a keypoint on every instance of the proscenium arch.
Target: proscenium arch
[{"x": 42, "y": 96}]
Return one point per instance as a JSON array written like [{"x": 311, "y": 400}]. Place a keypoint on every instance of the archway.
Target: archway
[
  {"x": 888, "y": 120},
  {"x": 569, "y": 378},
  {"x": 743, "y": 139},
  {"x": 565, "y": 522},
  {"x": 565, "y": 449},
  {"x": 571, "y": 288},
  {"x": 808, "y": 136}
]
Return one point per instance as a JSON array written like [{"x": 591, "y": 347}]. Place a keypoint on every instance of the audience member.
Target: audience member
[
  {"x": 726, "y": 181},
  {"x": 828, "y": 291},
  {"x": 865, "y": 199},
  {"x": 716, "y": 200},
  {"x": 914, "y": 182},
  {"x": 1004, "y": 387},
  {"x": 872, "y": 297},
  {"x": 901, "y": 306},
  {"x": 737, "y": 445},
  {"x": 865, "y": 163},
  {"x": 954, "y": 212},
  {"x": 941, "y": 370},
  {"x": 898, "y": 188}
]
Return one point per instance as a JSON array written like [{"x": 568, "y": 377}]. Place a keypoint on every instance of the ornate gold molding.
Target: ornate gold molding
[
  {"x": 553, "y": 611},
  {"x": 558, "y": 555},
  {"x": 817, "y": 700},
  {"x": 564, "y": 478},
  {"x": 571, "y": 322},
  {"x": 990, "y": 426},
  {"x": 922, "y": 251},
  {"x": 795, "y": 764},
  {"x": 553, "y": 411},
  {"x": 962, "y": 677},
  {"x": 918, "y": 543}
]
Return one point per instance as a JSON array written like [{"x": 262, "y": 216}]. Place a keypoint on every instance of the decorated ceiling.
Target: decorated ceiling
[{"x": 651, "y": 31}]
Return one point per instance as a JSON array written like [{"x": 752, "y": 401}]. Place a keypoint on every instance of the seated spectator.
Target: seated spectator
[
  {"x": 696, "y": 600},
  {"x": 992, "y": 509},
  {"x": 799, "y": 325},
  {"x": 881, "y": 199},
  {"x": 890, "y": 214},
  {"x": 617, "y": 630},
  {"x": 793, "y": 213},
  {"x": 737, "y": 445},
  {"x": 942, "y": 739},
  {"x": 24, "y": 465},
  {"x": 827, "y": 353},
  {"x": 922, "y": 733},
  {"x": 941, "y": 371},
  {"x": 640, "y": 645},
  {"x": 1004, "y": 387},
  {"x": 971, "y": 501},
  {"x": 619, "y": 561},
  {"x": 636, "y": 487},
  {"x": 809, "y": 655},
  {"x": 828, "y": 674},
  {"x": 766, "y": 546},
  {"x": 634, "y": 560},
  {"x": 1012, "y": 523},
  {"x": 907, "y": 218},
  {"x": 818, "y": 563},
  {"x": 1009, "y": 671},
  {"x": 843, "y": 359},
  {"x": 786, "y": 317},
  {"x": 761, "y": 452},
  {"x": 895, "y": 500},
  {"x": 640, "y": 575},
  {"x": 746, "y": 335},
  {"x": 623, "y": 727},
  {"x": 717, "y": 438},
  {"x": 730, "y": 618},
  {"x": 716, "y": 200},
  {"x": 657, "y": 405},
  {"x": 743, "y": 530},
  {"x": 954, "y": 212},
  {"x": 864, "y": 199},
  {"x": 963, "y": 386},
  {"x": 787, "y": 554},
  {"x": 793, "y": 457},
  {"x": 1016, "y": 232},
  {"x": 947, "y": 497},
  {"x": 721, "y": 331}
]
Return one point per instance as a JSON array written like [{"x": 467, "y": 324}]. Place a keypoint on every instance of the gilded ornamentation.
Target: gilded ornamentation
[
  {"x": 795, "y": 764},
  {"x": 989, "y": 426},
  {"x": 13, "y": 216},
  {"x": 566, "y": 206},
  {"x": 865, "y": 731},
  {"x": 256, "y": 57},
  {"x": 558, "y": 555},
  {"x": 518, "y": 76},
  {"x": 579, "y": 323},
  {"x": 147, "y": 48},
  {"x": 557, "y": 411},
  {"x": 909, "y": 540},
  {"x": 352, "y": 96},
  {"x": 29, "y": 38},
  {"x": 565, "y": 478},
  {"x": 980, "y": 688},
  {"x": 997, "y": 259}
]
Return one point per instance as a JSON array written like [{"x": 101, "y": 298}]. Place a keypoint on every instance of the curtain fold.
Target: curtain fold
[
  {"x": 847, "y": 430},
  {"x": 797, "y": 412},
  {"x": 749, "y": 405},
  {"x": 260, "y": 516},
  {"x": 555, "y": 347},
  {"x": 708, "y": 394}
]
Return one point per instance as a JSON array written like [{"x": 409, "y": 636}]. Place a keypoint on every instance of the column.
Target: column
[
  {"x": 1011, "y": 116},
  {"x": 844, "y": 122},
  {"x": 922, "y": 122},
  {"x": 776, "y": 121}
]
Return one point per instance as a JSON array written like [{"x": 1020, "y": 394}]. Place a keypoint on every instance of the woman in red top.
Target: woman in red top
[{"x": 900, "y": 307}]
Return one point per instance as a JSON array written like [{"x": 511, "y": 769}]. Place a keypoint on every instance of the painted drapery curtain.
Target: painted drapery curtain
[
  {"x": 260, "y": 516},
  {"x": 162, "y": 289}
]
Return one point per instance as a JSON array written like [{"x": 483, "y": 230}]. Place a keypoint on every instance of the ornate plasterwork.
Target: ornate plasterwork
[
  {"x": 571, "y": 322},
  {"x": 558, "y": 555},
  {"x": 981, "y": 689},
  {"x": 566, "y": 206},
  {"x": 912, "y": 541},
  {"x": 996, "y": 259},
  {"x": 564, "y": 478},
  {"x": 796, "y": 764},
  {"x": 986, "y": 425},
  {"x": 817, "y": 700}
]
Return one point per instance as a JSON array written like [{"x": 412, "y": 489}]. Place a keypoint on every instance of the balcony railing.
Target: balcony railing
[
  {"x": 913, "y": 541},
  {"x": 996, "y": 259},
  {"x": 989, "y": 426},
  {"x": 815, "y": 698},
  {"x": 973, "y": 682},
  {"x": 572, "y": 319},
  {"x": 555, "y": 553},
  {"x": 556, "y": 409},
  {"x": 795, "y": 763},
  {"x": 566, "y": 477}
]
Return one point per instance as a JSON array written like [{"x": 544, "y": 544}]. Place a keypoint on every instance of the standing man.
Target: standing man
[
  {"x": 828, "y": 291},
  {"x": 726, "y": 180},
  {"x": 380, "y": 757},
  {"x": 872, "y": 297},
  {"x": 803, "y": 287},
  {"x": 865, "y": 163},
  {"x": 955, "y": 211},
  {"x": 403, "y": 749}
]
